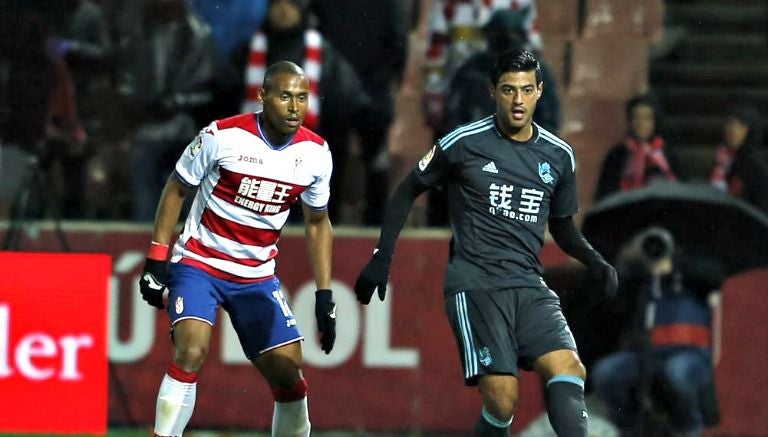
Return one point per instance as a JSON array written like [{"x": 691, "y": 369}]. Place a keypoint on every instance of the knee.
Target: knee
[
  {"x": 289, "y": 392},
  {"x": 191, "y": 358},
  {"x": 600, "y": 375},
  {"x": 501, "y": 404},
  {"x": 501, "y": 409},
  {"x": 573, "y": 367},
  {"x": 678, "y": 376}
]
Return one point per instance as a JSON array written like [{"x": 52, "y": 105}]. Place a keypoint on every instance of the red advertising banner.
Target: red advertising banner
[
  {"x": 395, "y": 366},
  {"x": 53, "y": 342}
]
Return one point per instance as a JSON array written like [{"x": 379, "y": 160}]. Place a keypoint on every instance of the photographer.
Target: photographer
[{"x": 661, "y": 380}]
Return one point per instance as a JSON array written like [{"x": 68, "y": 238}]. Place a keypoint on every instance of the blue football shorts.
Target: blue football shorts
[{"x": 258, "y": 310}]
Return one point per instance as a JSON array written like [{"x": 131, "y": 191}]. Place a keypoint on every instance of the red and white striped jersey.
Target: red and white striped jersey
[{"x": 246, "y": 187}]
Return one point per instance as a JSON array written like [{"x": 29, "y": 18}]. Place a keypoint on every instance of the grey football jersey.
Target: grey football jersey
[{"x": 500, "y": 193}]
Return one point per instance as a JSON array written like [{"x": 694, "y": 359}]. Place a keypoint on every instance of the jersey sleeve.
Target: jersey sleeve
[
  {"x": 433, "y": 168},
  {"x": 319, "y": 192},
  {"x": 198, "y": 157},
  {"x": 565, "y": 199}
]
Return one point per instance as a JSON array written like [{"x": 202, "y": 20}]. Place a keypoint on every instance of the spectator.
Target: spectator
[
  {"x": 166, "y": 74},
  {"x": 454, "y": 34},
  {"x": 337, "y": 98},
  {"x": 642, "y": 157},
  {"x": 665, "y": 362},
  {"x": 373, "y": 36},
  {"x": 232, "y": 22},
  {"x": 25, "y": 96},
  {"x": 740, "y": 169},
  {"x": 82, "y": 42}
]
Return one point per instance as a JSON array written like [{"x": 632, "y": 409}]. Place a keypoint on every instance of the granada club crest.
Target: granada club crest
[{"x": 179, "y": 305}]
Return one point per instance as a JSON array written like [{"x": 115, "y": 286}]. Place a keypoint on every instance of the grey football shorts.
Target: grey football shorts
[{"x": 500, "y": 332}]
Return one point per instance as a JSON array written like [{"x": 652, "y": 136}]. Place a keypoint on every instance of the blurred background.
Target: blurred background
[{"x": 99, "y": 97}]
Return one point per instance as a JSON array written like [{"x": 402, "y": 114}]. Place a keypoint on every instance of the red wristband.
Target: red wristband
[{"x": 158, "y": 251}]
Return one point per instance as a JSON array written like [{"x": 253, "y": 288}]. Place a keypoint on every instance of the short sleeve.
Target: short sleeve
[
  {"x": 565, "y": 199},
  {"x": 433, "y": 168},
  {"x": 198, "y": 158},
  {"x": 319, "y": 192}
]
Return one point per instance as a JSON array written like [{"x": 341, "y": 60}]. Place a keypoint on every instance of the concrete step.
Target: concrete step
[
  {"x": 693, "y": 99},
  {"x": 719, "y": 16},
  {"x": 673, "y": 73},
  {"x": 736, "y": 48},
  {"x": 692, "y": 129}
]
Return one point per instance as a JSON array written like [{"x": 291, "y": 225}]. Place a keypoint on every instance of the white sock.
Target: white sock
[
  {"x": 175, "y": 403},
  {"x": 291, "y": 419}
]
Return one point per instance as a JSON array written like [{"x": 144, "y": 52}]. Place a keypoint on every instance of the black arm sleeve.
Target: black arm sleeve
[
  {"x": 396, "y": 213},
  {"x": 571, "y": 240}
]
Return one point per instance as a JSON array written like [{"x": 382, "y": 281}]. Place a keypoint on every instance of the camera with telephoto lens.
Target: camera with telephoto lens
[{"x": 656, "y": 243}]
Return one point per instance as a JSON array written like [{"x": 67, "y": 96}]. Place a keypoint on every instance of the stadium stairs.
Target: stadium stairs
[{"x": 716, "y": 54}]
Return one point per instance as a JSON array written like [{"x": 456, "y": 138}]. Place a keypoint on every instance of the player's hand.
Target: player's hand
[
  {"x": 325, "y": 312},
  {"x": 604, "y": 276},
  {"x": 374, "y": 276},
  {"x": 152, "y": 282}
]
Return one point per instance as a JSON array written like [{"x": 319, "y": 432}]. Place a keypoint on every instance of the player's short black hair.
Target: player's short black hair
[
  {"x": 515, "y": 60},
  {"x": 280, "y": 67}
]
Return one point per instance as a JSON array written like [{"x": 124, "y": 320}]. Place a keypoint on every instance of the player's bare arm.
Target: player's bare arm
[
  {"x": 169, "y": 209},
  {"x": 319, "y": 236}
]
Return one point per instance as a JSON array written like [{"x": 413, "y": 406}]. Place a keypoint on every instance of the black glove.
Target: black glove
[
  {"x": 152, "y": 282},
  {"x": 374, "y": 275},
  {"x": 325, "y": 312},
  {"x": 605, "y": 276}
]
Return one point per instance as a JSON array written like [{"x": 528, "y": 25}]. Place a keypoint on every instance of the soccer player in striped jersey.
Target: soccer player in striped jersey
[
  {"x": 505, "y": 177},
  {"x": 246, "y": 171}
]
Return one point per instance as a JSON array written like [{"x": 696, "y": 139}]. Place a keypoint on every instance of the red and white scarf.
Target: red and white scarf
[
  {"x": 641, "y": 156},
  {"x": 257, "y": 66}
]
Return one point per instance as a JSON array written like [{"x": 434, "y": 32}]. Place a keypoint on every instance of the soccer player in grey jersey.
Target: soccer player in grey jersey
[{"x": 505, "y": 177}]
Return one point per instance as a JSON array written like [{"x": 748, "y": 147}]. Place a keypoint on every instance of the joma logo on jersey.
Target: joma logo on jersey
[
  {"x": 501, "y": 199},
  {"x": 251, "y": 159}
]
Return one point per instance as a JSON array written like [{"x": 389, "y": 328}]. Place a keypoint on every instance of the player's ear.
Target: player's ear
[
  {"x": 492, "y": 91},
  {"x": 260, "y": 94},
  {"x": 539, "y": 90}
]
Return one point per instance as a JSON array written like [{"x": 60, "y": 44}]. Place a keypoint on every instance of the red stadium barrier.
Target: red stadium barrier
[{"x": 395, "y": 365}]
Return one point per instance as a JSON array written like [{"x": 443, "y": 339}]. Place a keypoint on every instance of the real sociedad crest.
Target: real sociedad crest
[{"x": 545, "y": 173}]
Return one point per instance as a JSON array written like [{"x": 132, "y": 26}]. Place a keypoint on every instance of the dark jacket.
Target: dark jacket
[
  {"x": 373, "y": 37},
  {"x": 178, "y": 78},
  {"x": 612, "y": 170},
  {"x": 750, "y": 171}
]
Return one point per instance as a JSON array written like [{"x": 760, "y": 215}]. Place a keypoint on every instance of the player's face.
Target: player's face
[
  {"x": 516, "y": 94},
  {"x": 285, "y": 102},
  {"x": 642, "y": 122}
]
